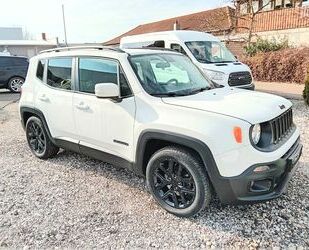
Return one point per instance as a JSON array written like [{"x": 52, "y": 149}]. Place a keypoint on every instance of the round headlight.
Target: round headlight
[{"x": 256, "y": 133}]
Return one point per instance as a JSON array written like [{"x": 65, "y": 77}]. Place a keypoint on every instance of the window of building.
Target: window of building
[
  {"x": 244, "y": 8},
  {"x": 59, "y": 73},
  {"x": 40, "y": 69}
]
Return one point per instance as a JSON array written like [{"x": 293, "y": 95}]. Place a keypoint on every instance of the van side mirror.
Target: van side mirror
[{"x": 106, "y": 90}]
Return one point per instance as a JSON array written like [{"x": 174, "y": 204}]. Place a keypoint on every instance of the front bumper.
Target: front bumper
[{"x": 250, "y": 187}]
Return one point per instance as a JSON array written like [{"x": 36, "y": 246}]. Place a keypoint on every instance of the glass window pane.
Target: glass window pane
[
  {"x": 124, "y": 85},
  {"x": 59, "y": 73},
  {"x": 40, "y": 69},
  {"x": 93, "y": 71}
]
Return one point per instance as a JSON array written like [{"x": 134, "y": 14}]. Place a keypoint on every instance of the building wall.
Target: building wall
[
  {"x": 11, "y": 33},
  {"x": 27, "y": 51}
]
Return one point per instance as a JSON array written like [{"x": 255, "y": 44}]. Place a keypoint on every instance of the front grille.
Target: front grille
[
  {"x": 281, "y": 126},
  {"x": 240, "y": 78}
]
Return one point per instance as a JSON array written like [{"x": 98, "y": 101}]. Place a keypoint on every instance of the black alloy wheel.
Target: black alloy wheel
[
  {"x": 178, "y": 181},
  {"x": 174, "y": 184}
]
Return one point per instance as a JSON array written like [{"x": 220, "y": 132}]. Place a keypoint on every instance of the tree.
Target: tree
[{"x": 254, "y": 7}]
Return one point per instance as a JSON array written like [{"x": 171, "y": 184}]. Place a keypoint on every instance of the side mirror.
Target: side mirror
[{"x": 106, "y": 90}]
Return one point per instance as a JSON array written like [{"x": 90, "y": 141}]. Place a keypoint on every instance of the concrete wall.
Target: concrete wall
[
  {"x": 27, "y": 51},
  {"x": 11, "y": 33}
]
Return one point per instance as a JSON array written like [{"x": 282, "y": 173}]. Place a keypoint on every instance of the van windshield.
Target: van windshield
[
  {"x": 169, "y": 74},
  {"x": 210, "y": 52}
]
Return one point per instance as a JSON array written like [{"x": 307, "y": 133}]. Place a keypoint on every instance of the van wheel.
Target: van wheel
[
  {"x": 15, "y": 84},
  {"x": 178, "y": 181},
  {"x": 38, "y": 140}
]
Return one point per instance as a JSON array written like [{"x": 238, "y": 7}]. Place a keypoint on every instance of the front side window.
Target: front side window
[
  {"x": 59, "y": 73},
  {"x": 96, "y": 70},
  {"x": 169, "y": 74},
  {"x": 178, "y": 48},
  {"x": 210, "y": 52}
]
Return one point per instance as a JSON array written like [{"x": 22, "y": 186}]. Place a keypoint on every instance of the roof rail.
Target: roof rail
[
  {"x": 156, "y": 48},
  {"x": 82, "y": 47}
]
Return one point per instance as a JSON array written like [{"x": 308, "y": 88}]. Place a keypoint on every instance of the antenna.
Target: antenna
[{"x": 64, "y": 27}]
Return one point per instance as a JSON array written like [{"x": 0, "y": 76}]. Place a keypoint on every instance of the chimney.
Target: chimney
[
  {"x": 44, "y": 36},
  {"x": 176, "y": 25}
]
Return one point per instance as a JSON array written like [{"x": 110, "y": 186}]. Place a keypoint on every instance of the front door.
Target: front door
[{"x": 104, "y": 124}]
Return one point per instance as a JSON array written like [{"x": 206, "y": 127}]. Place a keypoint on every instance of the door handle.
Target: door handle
[
  {"x": 82, "y": 106},
  {"x": 43, "y": 98}
]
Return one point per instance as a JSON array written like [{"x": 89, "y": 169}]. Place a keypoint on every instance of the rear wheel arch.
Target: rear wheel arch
[{"x": 27, "y": 112}]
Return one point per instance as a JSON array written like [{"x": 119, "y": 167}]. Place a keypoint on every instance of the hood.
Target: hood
[
  {"x": 226, "y": 68},
  {"x": 251, "y": 106}
]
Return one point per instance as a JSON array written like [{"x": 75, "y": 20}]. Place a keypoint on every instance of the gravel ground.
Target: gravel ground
[{"x": 74, "y": 201}]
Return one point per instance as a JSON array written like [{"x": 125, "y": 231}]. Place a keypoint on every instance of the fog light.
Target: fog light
[
  {"x": 261, "y": 186},
  {"x": 261, "y": 169}
]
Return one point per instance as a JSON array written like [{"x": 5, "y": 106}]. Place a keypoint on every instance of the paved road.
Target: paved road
[{"x": 6, "y": 97}]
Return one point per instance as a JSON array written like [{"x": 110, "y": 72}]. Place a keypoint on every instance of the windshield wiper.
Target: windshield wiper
[
  {"x": 195, "y": 91},
  {"x": 170, "y": 94}
]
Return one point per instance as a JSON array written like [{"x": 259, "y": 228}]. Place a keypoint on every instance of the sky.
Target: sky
[{"x": 93, "y": 20}]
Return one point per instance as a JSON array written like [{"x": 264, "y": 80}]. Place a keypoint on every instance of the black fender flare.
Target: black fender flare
[
  {"x": 174, "y": 138},
  {"x": 40, "y": 115},
  {"x": 220, "y": 184}
]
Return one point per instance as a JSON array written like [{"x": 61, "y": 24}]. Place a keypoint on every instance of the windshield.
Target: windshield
[
  {"x": 210, "y": 52},
  {"x": 169, "y": 74}
]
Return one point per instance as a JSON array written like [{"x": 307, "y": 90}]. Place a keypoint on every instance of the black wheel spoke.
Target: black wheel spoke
[
  {"x": 175, "y": 200},
  {"x": 186, "y": 191},
  {"x": 36, "y": 138},
  {"x": 166, "y": 195},
  {"x": 174, "y": 184}
]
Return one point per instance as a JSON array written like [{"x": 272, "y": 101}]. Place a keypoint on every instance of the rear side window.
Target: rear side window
[
  {"x": 40, "y": 69},
  {"x": 59, "y": 73}
]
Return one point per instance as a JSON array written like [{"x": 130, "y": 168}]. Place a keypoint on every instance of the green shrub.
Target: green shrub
[
  {"x": 306, "y": 90},
  {"x": 263, "y": 46}
]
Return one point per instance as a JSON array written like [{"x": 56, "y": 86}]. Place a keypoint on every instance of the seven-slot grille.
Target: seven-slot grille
[
  {"x": 281, "y": 126},
  {"x": 240, "y": 78}
]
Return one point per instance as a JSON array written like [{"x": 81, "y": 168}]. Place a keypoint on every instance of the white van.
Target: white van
[{"x": 205, "y": 50}]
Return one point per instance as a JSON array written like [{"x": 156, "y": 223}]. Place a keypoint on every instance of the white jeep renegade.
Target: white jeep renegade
[{"x": 154, "y": 112}]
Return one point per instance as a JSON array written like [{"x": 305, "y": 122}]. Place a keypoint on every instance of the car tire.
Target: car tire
[
  {"x": 15, "y": 84},
  {"x": 178, "y": 181},
  {"x": 38, "y": 140}
]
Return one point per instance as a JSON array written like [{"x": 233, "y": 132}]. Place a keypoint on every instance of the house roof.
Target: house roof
[{"x": 214, "y": 21}]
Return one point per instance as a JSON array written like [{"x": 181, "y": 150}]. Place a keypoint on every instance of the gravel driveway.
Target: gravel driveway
[{"x": 74, "y": 201}]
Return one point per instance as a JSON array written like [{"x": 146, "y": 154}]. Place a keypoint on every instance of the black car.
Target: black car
[{"x": 13, "y": 71}]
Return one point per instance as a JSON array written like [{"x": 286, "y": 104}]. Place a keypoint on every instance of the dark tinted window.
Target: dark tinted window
[
  {"x": 95, "y": 70},
  {"x": 13, "y": 61},
  {"x": 18, "y": 61},
  {"x": 59, "y": 73},
  {"x": 178, "y": 48},
  {"x": 40, "y": 69},
  {"x": 124, "y": 85}
]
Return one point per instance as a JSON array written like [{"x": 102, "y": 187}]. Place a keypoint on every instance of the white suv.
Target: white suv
[{"x": 154, "y": 112}]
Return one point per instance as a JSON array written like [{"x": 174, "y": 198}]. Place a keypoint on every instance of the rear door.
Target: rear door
[
  {"x": 104, "y": 124},
  {"x": 54, "y": 96}
]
